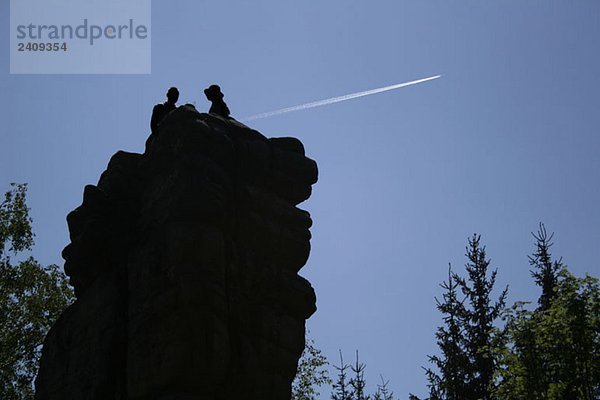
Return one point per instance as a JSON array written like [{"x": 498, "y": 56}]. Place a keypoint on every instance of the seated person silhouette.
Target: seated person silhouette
[
  {"x": 213, "y": 94},
  {"x": 161, "y": 110}
]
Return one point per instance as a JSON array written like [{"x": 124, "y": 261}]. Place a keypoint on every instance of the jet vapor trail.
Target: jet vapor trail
[{"x": 332, "y": 100}]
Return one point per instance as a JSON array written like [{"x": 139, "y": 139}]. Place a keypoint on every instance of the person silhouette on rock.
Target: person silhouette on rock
[
  {"x": 161, "y": 110},
  {"x": 218, "y": 107}
]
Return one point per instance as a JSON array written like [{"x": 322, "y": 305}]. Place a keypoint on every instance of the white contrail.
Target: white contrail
[{"x": 332, "y": 100}]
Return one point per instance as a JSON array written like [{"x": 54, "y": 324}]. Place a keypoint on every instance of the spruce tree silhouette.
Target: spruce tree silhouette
[{"x": 546, "y": 271}]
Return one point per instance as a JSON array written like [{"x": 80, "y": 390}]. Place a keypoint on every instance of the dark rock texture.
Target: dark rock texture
[{"x": 184, "y": 260}]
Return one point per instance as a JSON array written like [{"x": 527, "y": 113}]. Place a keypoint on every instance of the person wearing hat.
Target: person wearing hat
[
  {"x": 218, "y": 107},
  {"x": 161, "y": 110}
]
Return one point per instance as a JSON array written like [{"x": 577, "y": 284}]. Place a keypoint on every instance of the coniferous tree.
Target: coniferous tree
[
  {"x": 555, "y": 353},
  {"x": 453, "y": 362},
  {"x": 527, "y": 367},
  {"x": 484, "y": 342},
  {"x": 358, "y": 383},
  {"x": 341, "y": 387},
  {"x": 549, "y": 353},
  {"x": 545, "y": 272},
  {"x": 554, "y": 349},
  {"x": 383, "y": 392},
  {"x": 470, "y": 344}
]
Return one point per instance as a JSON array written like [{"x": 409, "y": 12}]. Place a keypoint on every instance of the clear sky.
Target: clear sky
[{"x": 508, "y": 137}]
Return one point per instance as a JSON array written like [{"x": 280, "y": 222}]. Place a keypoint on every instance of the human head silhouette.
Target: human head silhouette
[
  {"x": 213, "y": 93},
  {"x": 173, "y": 95}
]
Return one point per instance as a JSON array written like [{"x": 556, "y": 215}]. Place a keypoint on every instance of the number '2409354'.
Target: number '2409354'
[{"x": 34, "y": 46}]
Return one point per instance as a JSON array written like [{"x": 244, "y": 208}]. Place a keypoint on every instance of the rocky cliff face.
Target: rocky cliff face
[{"x": 184, "y": 260}]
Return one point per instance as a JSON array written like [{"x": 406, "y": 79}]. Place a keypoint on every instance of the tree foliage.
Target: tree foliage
[
  {"x": 453, "y": 363},
  {"x": 484, "y": 340},
  {"x": 311, "y": 373},
  {"x": 545, "y": 272},
  {"x": 383, "y": 392},
  {"x": 555, "y": 349},
  {"x": 549, "y": 353},
  {"x": 358, "y": 383},
  {"x": 31, "y": 299},
  {"x": 351, "y": 383},
  {"x": 341, "y": 387},
  {"x": 15, "y": 223},
  {"x": 555, "y": 353},
  {"x": 470, "y": 344}
]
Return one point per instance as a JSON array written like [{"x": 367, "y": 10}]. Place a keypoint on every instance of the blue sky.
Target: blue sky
[{"x": 508, "y": 137}]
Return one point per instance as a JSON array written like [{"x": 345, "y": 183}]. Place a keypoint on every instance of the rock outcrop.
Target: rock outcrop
[{"x": 185, "y": 264}]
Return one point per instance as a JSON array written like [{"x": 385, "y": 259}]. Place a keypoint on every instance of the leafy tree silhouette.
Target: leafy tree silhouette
[{"x": 31, "y": 299}]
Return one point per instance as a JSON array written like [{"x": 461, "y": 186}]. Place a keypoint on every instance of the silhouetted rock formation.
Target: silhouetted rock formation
[{"x": 184, "y": 261}]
